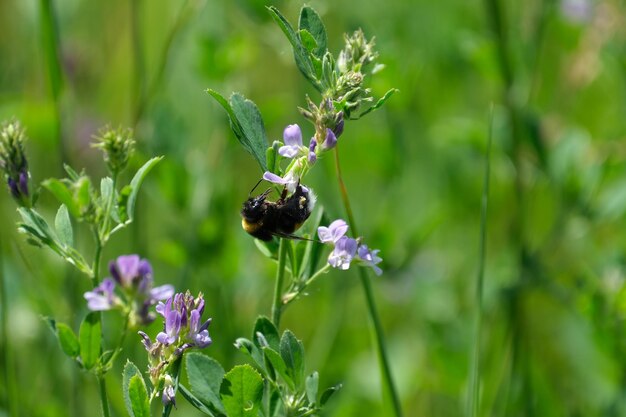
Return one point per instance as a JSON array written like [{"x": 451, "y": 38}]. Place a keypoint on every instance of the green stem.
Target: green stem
[
  {"x": 51, "y": 48},
  {"x": 371, "y": 304},
  {"x": 95, "y": 279},
  {"x": 299, "y": 288},
  {"x": 473, "y": 397},
  {"x": 103, "y": 396},
  {"x": 7, "y": 366},
  {"x": 277, "y": 306}
]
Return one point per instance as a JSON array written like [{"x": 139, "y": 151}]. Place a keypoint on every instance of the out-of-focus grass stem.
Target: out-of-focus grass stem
[
  {"x": 473, "y": 405},
  {"x": 95, "y": 280},
  {"x": 10, "y": 384},
  {"x": 383, "y": 360},
  {"x": 52, "y": 52},
  {"x": 187, "y": 11},
  {"x": 277, "y": 305}
]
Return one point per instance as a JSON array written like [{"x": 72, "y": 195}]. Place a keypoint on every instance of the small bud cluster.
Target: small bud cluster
[
  {"x": 117, "y": 146},
  {"x": 183, "y": 329},
  {"x": 345, "y": 249},
  {"x": 13, "y": 161},
  {"x": 133, "y": 276}
]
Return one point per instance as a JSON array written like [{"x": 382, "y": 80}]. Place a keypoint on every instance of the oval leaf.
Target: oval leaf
[
  {"x": 205, "y": 378},
  {"x": 292, "y": 352},
  {"x": 135, "y": 184},
  {"x": 242, "y": 391},
  {"x": 67, "y": 340},
  {"x": 63, "y": 226},
  {"x": 135, "y": 391},
  {"x": 312, "y": 23},
  {"x": 89, "y": 337},
  {"x": 264, "y": 326}
]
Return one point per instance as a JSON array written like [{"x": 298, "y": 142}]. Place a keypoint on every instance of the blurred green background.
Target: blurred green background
[{"x": 554, "y": 72}]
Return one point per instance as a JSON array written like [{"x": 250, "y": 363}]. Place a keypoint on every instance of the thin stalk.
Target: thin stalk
[
  {"x": 277, "y": 306},
  {"x": 370, "y": 302},
  {"x": 95, "y": 279},
  {"x": 473, "y": 405},
  {"x": 51, "y": 48},
  {"x": 514, "y": 109},
  {"x": 103, "y": 396},
  {"x": 10, "y": 384}
]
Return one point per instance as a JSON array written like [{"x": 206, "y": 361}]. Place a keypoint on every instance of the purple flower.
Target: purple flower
[
  {"x": 147, "y": 343},
  {"x": 162, "y": 292},
  {"x": 101, "y": 298},
  {"x": 292, "y": 136},
  {"x": 342, "y": 255},
  {"x": 199, "y": 334},
  {"x": 330, "y": 141},
  {"x": 173, "y": 319},
  {"x": 169, "y": 394},
  {"x": 290, "y": 180},
  {"x": 333, "y": 232},
  {"x": 370, "y": 258},
  {"x": 130, "y": 271}
]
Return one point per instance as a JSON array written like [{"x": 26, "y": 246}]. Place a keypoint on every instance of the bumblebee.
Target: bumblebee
[{"x": 263, "y": 219}]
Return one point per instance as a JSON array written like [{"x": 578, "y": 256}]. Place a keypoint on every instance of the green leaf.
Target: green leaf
[
  {"x": 264, "y": 326},
  {"x": 250, "y": 349},
  {"x": 246, "y": 123},
  {"x": 312, "y": 385},
  {"x": 205, "y": 377},
  {"x": 242, "y": 391},
  {"x": 61, "y": 192},
  {"x": 135, "y": 184},
  {"x": 292, "y": 352},
  {"x": 89, "y": 337},
  {"x": 135, "y": 391},
  {"x": 83, "y": 194},
  {"x": 328, "y": 393},
  {"x": 194, "y": 401},
  {"x": 139, "y": 397},
  {"x": 252, "y": 127},
  {"x": 312, "y": 23},
  {"x": 279, "y": 366},
  {"x": 268, "y": 249},
  {"x": 67, "y": 340},
  {"x": 379, "y": 103},
  {"x": 63, "y": 226},
  {"x": 301, "y": 55}
]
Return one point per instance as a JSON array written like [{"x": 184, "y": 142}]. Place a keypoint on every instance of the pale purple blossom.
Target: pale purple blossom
[
  {"x": 342, "y": 255},
  {"x": 169, "y": 393},
  {"x": 290, "y": 181},
  {"x": 369, "y": 258},
  {"x": 131, "y": 271},
  {"x": 292, "y": 136},
  {"x": 101, "y": 298},
  {"x": 333, "y": 232}
]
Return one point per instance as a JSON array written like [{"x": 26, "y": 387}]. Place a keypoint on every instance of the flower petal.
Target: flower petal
[{"x": 292, "y": 135}]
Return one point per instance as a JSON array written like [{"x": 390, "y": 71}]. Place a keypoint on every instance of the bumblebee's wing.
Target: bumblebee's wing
[{"x": 294, "y": 237}]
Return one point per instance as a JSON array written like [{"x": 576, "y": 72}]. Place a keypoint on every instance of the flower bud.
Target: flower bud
[
  {"x": 117, "y": 146},
  {"x": 13, "y": 161}
]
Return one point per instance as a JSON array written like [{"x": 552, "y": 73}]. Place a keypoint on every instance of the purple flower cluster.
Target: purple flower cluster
[
  {"x": 183, "y": 329},
  {"x": 182, "y": 315},
  {"x": 133, "y": 276},
  {"x": 346, "y": 250}
]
